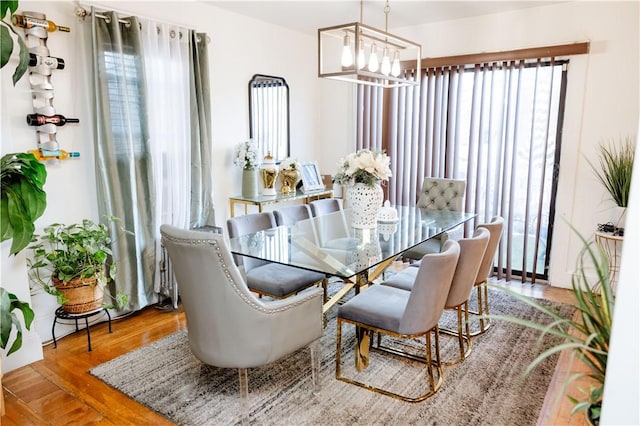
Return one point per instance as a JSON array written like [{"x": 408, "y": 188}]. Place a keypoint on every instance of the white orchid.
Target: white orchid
[{"x": 246, "y": 155}]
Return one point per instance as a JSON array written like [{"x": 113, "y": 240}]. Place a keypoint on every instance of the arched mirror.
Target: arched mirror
[{"x": 269, "y": 115}]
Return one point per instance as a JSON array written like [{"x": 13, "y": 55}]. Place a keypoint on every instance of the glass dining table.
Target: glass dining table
[{"x": 330, "y": 245}]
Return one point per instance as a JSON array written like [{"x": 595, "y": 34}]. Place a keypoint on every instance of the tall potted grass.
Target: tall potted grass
[
  {"x": 614, "y": 171},
  {"x": 586, "y": 335}
]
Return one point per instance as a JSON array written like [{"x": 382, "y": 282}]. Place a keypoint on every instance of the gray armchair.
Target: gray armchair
[
  {"x": 437, "y": 194},
  {"x": 267, "y": 278},
  {"x": 227, "y": 325},
  {"x": 402, "y": 314},
  {"x": 471, "y": 252}
]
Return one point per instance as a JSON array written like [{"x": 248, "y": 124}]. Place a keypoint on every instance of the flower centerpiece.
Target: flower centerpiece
[
  {"x": 362, "y": 172},
  {"x": 289, "y": 174},
  {"x": 246, "y": 157}
]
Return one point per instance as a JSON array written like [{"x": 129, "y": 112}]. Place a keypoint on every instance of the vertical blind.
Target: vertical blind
[{"x": 495, "y": 125}]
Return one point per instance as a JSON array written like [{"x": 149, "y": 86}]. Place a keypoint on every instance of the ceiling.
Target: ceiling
[{"x": 307, "y": 16}]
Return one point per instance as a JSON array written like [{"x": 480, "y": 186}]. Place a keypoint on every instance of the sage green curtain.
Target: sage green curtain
[
  {"x": 124, "y": 173},
  {"x": 202, "y": 212}
]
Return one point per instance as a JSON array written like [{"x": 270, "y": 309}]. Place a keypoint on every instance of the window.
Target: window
[{"x": 496, "y": 125}]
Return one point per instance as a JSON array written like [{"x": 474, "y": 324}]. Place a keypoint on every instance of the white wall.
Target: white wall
[
  {"x": 602, "y": 95},
  {"x": 239, "y": 48}
]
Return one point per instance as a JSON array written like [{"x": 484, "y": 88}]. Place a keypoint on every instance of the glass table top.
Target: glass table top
[{"x": 328, "y": 244}]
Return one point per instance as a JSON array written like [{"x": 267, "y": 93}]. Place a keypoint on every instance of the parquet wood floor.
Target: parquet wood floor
[{"x": 58, "y": 390}]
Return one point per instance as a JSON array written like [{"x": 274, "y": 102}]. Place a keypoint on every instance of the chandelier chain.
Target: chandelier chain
[{"x": 387, "y": 9}]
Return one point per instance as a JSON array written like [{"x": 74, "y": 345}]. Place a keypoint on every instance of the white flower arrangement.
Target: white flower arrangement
[
  {"x": 246, "y": 155},
  {"x": 364, "y": 166},
  {"x": 289, "y": 163}
]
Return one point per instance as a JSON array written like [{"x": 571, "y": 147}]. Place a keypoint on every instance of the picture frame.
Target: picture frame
[{"x": 311, "y": 178}]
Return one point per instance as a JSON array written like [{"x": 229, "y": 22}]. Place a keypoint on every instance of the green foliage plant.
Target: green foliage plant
[
  {"x": 8, "y": 319},
  {"x": 614, "y": 170},
  {"x": 7, "y": 36},
  {"x": 66, "y": 252},
  {"x": 22, "y": 199},
  {"x": 586, "y": 335}
]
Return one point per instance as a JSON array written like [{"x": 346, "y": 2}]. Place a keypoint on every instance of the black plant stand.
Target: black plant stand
[{"x": 61, "y": 314}]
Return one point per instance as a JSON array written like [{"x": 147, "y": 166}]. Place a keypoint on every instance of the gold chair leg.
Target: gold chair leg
[
  {"x": 464, "y": 340},
  {"x": 325, "y": 298},
  {"x": 432, "y": 366},
  {"x": 483, "y": 308},
  {"x": 363, "y": 339}
]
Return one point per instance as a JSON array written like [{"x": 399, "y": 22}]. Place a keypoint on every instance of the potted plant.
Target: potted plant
[
  {"x": 8, "y": 35},
  {"x": 73, "y": 262},
  {"x": 614, "y": 171},
  {"x": 246, "y": 157},
  {"x": 587, "y": 333},
  {"x": 22, "y": 201}
]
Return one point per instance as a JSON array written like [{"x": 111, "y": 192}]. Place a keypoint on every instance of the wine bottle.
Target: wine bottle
[
  {"x": 29, "y": 22},
  {"x": 50, "y": 61},
  {"x": 57, "y": 119},
  {"x": 58, "y": 154}
]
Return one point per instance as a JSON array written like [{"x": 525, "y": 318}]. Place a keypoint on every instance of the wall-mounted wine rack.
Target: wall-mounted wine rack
[{"x": 41, "y": 65}]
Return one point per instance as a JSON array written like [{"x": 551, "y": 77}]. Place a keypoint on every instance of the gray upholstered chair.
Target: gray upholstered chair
[
  {"x": 227, "y": 326},
  {"x": 299, "y": 216},
  {"x": 334, "y": 235},
  {"x": 402, "y": 314},
  {"x": 330, "y": 236},
  {"x": 437, "y": 194},
  {"x": 267, "y": 278},
  {"x": 471, "y": 253},
  {"x": 495, "y": 227}
]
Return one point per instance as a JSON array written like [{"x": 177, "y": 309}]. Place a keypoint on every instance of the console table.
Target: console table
[{"x": 264, "y": 200}]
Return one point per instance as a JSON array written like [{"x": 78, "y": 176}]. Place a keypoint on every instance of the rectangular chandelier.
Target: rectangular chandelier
[{"x": 362, "y": 54}]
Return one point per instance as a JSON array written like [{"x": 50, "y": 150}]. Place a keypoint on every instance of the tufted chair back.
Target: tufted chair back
[{"x": 442, "y": 194}]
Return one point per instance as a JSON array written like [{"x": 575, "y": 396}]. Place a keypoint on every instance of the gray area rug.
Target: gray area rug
[{"x": 486, "y": 389}]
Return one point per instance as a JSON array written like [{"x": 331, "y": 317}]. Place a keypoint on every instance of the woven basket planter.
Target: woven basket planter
[{"x": 82, "y": 294}]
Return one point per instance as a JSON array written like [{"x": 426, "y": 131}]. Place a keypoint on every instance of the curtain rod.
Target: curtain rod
[
  {"x": 578, "y": 48},
  {"x": 81, "y": 12}
]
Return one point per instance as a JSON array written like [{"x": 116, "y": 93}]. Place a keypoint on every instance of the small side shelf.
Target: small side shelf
[
  {"x": 612, "y": 246},
  {"x": 61, "y": 314}
]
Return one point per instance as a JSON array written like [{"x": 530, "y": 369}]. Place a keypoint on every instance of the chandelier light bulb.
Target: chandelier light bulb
[
  {"x": 347, "y": 57},
  {"x": 395, "y": 68},
  {"x": 386, "y": 64},
  {"x": 373, "y": 58},
  {"x": 361, "y": 58}
]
